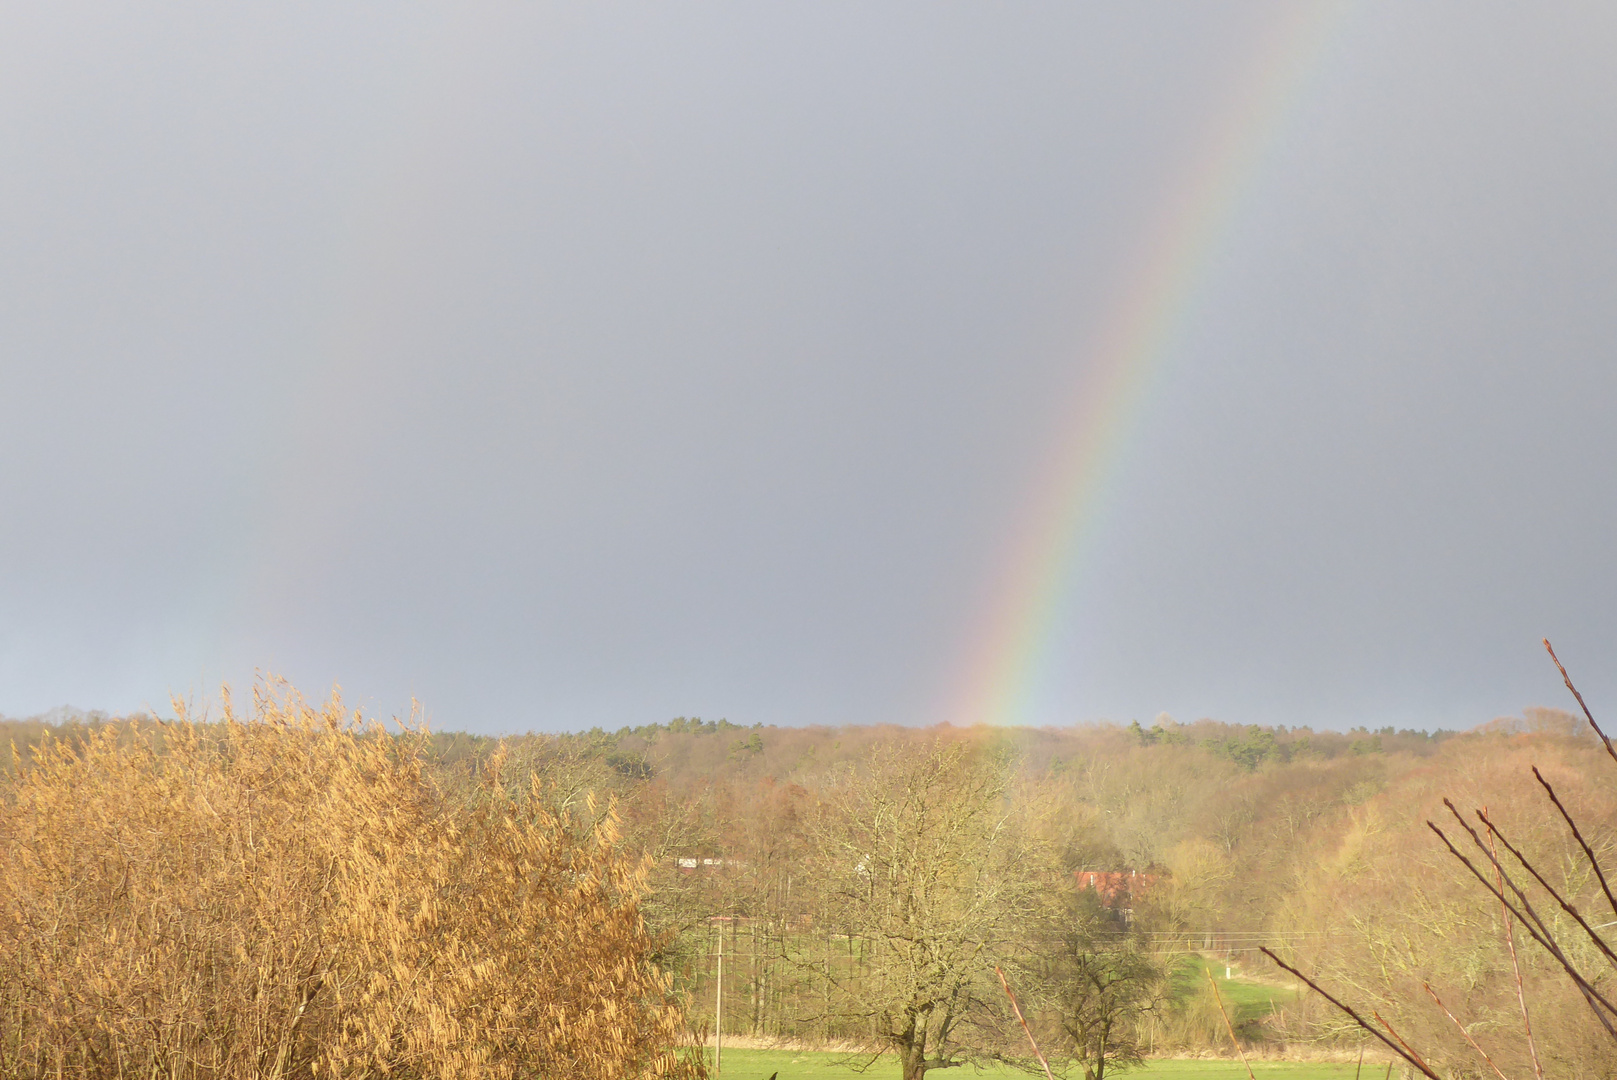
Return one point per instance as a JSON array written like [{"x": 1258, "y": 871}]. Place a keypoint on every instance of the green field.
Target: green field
[
  {"x": 1247, "y": 1000},
  {"x": 822, "y": 1065}
]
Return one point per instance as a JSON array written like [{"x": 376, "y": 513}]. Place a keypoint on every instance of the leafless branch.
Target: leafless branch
[
  {"x": 1587, "y": 715},
  {"x": 1227, "y": 1025},
  {"x": 1594, "y": 863},
  {"x": 1516, "y": 969},
  {"x": 1416, "y": 1058},
  {"x": 1433, "y": 993},
  {"x": 1566, "y": 905},
  {"x": 1590, "y": 995},
  {"x": 1357, "y": 1019},
  {"x": 1017, "y": 1009}
]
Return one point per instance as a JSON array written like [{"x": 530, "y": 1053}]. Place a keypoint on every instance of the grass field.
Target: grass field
[
  {"x": 821, "y": 1065},
  {"x": 1246, "y": 999}
]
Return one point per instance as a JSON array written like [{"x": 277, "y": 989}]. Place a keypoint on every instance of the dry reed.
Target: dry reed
[{"x": 289, "y": 894}]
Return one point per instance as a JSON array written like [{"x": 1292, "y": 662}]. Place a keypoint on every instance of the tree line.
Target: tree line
[{"x": 879, "y": 890}]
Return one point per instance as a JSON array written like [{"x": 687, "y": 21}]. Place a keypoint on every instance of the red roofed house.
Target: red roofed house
[{"x": 1116, "y": 888}]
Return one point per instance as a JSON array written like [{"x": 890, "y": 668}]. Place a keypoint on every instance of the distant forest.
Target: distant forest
[{"x": 1105, "y": 870}]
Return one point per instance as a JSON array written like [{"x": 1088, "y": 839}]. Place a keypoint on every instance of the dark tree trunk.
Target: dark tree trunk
[{"x": 913, "y": 1059}]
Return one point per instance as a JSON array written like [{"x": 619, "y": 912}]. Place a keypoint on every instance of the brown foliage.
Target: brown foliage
[
  {"x": 1395, "y": 911},
  {"x": 291, "y": 894}
]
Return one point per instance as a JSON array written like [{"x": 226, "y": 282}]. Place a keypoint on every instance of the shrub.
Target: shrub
[{"x": 290, "y": 894}]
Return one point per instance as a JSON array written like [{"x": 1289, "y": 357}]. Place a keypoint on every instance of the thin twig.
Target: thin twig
[
  {"x": 1017, "y": 1009},
  {"x": 1515, "y": 964},
  {"x": 1427, "y": 987},
  {"x": 1587, "y": 715},
  {"x": 1590, "y": 994},
  {"x": 1528, "y": 914},
  {"x": 1529, "y": 917},
  {"x": 1228, "y": 1026},
  {"x": 1416, "y": 1058},
  {"x": 1357, "y": 1019},
  {"x": 1573, "y": 825},
  {"x": 1566, "y": 905}
]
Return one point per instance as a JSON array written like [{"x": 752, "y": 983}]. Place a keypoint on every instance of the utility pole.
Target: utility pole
[{"x": 718, "y": 1011}]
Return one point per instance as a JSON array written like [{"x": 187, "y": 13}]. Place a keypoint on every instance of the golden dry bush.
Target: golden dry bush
[{"x": 289, "y": 894}]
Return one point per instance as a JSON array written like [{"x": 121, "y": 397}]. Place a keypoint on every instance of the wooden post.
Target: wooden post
[{"x": 718, "y": 1011}]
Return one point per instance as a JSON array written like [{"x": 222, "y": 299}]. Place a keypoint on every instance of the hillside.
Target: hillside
[{"x": 1237, "y": 836}]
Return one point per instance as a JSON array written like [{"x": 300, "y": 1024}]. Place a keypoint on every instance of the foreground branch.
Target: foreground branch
[
  {"x": 1586, "y": 714},
  {"x": 1433, "y": 993},
  {"x": 1017, "y": 1009},
  {"x": 1357, "y": 1019}
]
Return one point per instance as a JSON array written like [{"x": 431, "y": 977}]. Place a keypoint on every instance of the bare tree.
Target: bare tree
[
  {"x": 931, "y": 879},
  {"x": 1096, "y": 984}
]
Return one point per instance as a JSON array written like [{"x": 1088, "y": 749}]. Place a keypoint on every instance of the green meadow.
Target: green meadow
[
  {"x": 826, "y": 1065},
  {"x": 1246, "y": 999}
]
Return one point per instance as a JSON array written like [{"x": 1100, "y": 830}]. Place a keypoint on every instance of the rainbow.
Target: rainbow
[{"x": 1011, "y": 656}]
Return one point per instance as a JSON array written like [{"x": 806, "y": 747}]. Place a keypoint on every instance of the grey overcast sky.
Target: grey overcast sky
[{"x": 575, "y": 365}]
